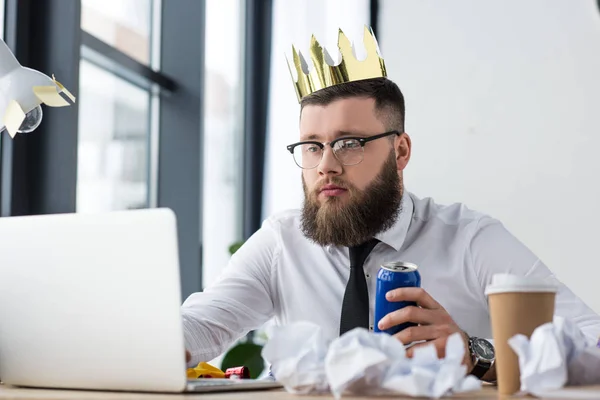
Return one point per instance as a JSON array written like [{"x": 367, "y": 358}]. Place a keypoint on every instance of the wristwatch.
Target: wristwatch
[{"x": 483, "y": 356}]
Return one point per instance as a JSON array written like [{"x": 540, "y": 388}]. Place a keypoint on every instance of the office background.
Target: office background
[{"x": 188, "y": 104}]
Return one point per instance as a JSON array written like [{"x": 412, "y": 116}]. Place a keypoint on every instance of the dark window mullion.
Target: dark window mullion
[{"x": 112, "y": 59}]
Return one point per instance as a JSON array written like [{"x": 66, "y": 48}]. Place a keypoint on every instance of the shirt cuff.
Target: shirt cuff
[{"x": 200, "y": 346}]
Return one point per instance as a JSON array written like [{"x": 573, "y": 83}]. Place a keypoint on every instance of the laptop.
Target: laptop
[{"x": 92, "y": 301}]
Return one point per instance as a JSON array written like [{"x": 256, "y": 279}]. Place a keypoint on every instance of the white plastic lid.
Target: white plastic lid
[{"x": 507, "y": 283}]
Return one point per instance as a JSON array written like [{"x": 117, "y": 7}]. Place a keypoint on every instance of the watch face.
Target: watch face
[{"x": 483, "y": 349}]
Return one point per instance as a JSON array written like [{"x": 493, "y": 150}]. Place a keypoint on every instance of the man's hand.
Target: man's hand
[{"x": 434, "y": 322}]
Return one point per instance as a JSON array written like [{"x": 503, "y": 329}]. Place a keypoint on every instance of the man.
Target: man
[{"x": 352, "y": 151}]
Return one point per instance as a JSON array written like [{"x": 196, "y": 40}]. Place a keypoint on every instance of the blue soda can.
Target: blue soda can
[{"x": 394, "y": 275}]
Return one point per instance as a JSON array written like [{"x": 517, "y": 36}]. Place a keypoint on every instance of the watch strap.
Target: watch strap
[{"x": 480, "y": 368}]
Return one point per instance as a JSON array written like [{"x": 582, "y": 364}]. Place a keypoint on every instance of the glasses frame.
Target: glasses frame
[{"x": 361, "y": 140}]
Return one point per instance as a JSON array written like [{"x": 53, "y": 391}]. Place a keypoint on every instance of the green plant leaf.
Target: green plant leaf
[
  {"x": 245, "y": 354},
  {"x": 235, "y": 247}
]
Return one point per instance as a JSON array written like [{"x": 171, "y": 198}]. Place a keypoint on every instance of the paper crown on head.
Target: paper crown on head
[{"x": 324, "y": 73}]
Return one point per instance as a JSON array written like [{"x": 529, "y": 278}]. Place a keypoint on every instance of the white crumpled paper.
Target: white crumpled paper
[
  {"x": 557, "y": 354},
  {"x": 297, "y": 356},
  {"x": 363, "y": 363}
]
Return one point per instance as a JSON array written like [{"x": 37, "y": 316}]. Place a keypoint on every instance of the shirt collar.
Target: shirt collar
[{"x": 395, "y": 236}]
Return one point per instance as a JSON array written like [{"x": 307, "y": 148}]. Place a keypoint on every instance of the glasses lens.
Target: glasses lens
[
  {"x": 349, "y": 152},
  {"x": 307, "y": 155}
]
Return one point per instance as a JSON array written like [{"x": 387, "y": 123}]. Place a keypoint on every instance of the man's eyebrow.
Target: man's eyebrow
[
  {"x": 310, "y": 137},
  {"x": 350, "y": 133},
  {"x": 337, "y": 135}
]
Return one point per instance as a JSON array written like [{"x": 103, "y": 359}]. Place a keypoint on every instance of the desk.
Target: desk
[
  {"x": 7, "y": 392},
  {"x": 10, "y": 393}
]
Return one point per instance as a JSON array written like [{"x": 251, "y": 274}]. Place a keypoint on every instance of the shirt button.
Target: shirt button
[
  {"x": 368, "y": 276},
  {"x": 371, "y": 327}
]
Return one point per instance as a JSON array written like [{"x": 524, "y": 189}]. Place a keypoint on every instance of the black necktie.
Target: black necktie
[{"x": 355, "y": 307}]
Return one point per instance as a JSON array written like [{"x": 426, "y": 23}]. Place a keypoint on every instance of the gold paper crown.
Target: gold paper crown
[{"x": 325, "y": 74}]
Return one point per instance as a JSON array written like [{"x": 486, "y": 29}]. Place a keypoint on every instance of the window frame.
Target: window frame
[{"x": 39, "y": 170}]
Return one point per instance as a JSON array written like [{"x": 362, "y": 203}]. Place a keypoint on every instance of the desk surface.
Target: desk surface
[{"x": 7, "y": 392}]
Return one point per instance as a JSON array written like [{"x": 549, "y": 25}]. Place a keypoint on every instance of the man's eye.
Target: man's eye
[
  {"x": 312, "y": 149},
  {"x": 350, "y": 145}
]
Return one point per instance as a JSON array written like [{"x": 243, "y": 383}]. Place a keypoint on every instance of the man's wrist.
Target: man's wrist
[
  {"x": 481, "y": 365},
  {"x": 469, "y": 361}
]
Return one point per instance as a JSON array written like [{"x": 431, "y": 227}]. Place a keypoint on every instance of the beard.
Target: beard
[{"x": 367, "y": 212}]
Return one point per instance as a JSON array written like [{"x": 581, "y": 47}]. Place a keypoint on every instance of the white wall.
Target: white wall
[{"x": 503, "y": 106}]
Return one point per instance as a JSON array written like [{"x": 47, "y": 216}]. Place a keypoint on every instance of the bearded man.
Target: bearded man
[{"x": 320, "y": 263}]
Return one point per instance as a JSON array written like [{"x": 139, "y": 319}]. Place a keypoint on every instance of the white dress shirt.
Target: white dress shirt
[{"x": 280, "y": 274}]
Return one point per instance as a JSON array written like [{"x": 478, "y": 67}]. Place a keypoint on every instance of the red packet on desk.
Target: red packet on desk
[{"x": 237, "y": 373}]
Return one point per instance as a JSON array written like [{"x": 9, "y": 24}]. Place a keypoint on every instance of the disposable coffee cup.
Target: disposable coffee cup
[{"x": 517, "y": 305}]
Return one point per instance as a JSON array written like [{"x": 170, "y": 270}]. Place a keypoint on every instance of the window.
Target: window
[
  {"x": 113, "y": 142},
  {"x": 223, "y": 134},
  {"x": 125, "y": 25},
  {"x": 136, "y": 67},
  {"x": 117, "y": 124}
]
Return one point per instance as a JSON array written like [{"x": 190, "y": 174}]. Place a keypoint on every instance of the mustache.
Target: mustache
[{"x": 333, "y": 181}]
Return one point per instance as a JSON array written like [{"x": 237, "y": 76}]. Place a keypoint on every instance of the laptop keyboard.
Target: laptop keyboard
[
  {"x": 214, "y": 382},
  {"x": 222, "y": 385}
]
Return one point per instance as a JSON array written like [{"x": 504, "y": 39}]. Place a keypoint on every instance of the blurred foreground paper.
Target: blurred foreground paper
[
  {"x": 557, "y": 354},
  {"x": 13, "y": 118},
  {"x": 297, "y": 357},
  {"x": 49, "y": 95},
  {"x": 361, "y": 362}
]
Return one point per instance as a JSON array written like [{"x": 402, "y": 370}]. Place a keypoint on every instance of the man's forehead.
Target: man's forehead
[
  {"x": 347, "y": 117},
  {"x": 345, "y": 105}
]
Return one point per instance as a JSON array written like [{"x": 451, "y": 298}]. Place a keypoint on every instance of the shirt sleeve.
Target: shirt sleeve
[
  {"x": 494, "y": 249},
  {"x": 241, "y": 299}
]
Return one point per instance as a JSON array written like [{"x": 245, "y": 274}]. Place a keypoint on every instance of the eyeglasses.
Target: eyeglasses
[{"x": 348, "y": 150}]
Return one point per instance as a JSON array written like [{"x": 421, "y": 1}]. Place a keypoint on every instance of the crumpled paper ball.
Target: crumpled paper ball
[
  {"x": 361, "y": 362},
  {"x": 297, "y": 354},
  {"x": 557, "y": 354}
]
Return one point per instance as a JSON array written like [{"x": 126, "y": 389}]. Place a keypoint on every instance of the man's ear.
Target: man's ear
[{"x": 402, "y": 146}]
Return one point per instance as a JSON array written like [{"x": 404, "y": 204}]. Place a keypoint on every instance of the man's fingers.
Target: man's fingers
[
  {"x": 188, "y": 356},
  {"x": 416, "y": 334},
  {"x": 422, "y": 332},
  {"x": 440, "y": 347},
  {"x": 418, "y": 295},
  {"x": 407, "y": 314}
]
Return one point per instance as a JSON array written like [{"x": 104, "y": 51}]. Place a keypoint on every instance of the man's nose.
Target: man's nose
[{"x": 329, "y": 164}]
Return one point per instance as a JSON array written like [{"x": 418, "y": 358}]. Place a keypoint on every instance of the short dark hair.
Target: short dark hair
[{"x": 389, "y": 101}]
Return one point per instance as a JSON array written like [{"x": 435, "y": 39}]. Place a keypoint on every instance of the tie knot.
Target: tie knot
[{"x": 359, "y": 253}]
